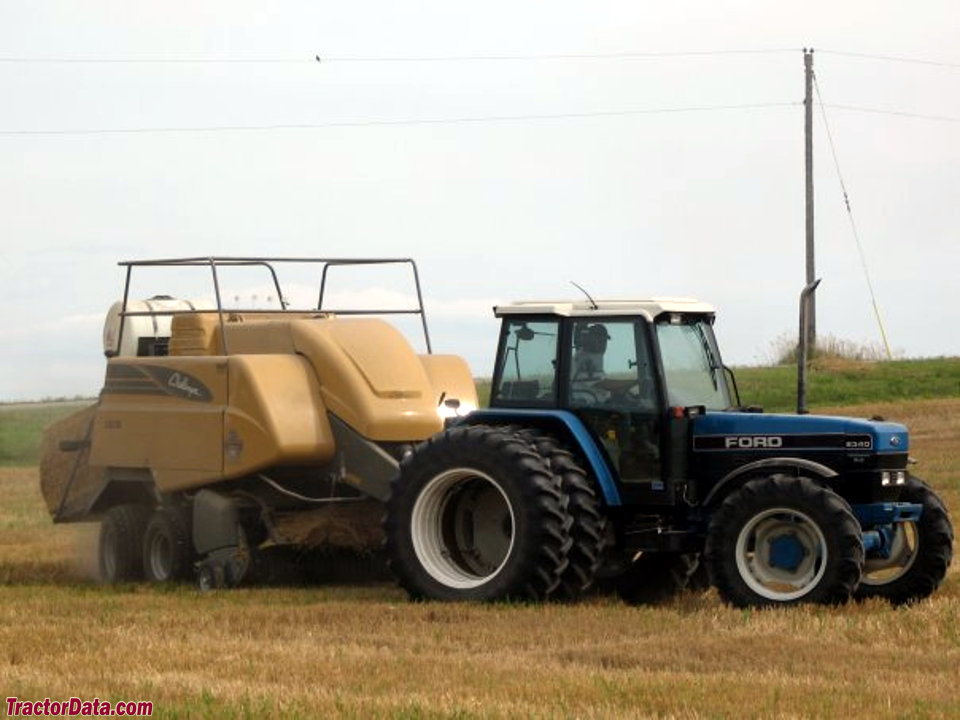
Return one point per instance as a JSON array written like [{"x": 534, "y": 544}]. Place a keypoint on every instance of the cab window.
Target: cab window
[
  {"x": 527, "y": 366},
  {"x": 610, "y": 365}
]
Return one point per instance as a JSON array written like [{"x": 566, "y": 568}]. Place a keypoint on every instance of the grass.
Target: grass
[
  {"x": 831, "y": 381},
  {"x": 837, "y": 381},
  {"x": 365, "y": 651},
  {"x": 21, "y": 425},
  {"x": 347, "y": 653}
]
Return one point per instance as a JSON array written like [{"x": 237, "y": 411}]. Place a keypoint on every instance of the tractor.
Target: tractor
[{"x": 615, "y": 451}]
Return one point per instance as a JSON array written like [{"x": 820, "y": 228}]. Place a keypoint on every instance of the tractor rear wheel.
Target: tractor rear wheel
[
  {"x": 920, "y": 554},
  {"x": 121, "y": 537},
  {"x": 476, "y": 514},
  {"x": 167, "y": 547},
  {"x": 784, "y": 540},
  {"x": 589, "y": 527}
]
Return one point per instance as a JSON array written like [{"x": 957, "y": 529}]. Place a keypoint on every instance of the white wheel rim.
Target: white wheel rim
[
  {"x": 462, "y": 528},
  {"x": 903, "y": 554},
  {"x": 161, "y": 556},
  {"x": 753, "y": 554}
]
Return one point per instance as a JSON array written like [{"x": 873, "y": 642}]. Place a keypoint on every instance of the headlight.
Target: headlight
[
  {"x": 888, "y": 478},
  {"x": 453, "y": 408}
]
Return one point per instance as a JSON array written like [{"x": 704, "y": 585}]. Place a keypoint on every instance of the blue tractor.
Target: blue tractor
[{"x": 615, "y": 452}]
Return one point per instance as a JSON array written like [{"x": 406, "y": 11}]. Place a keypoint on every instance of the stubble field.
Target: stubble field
[{"x": 365, "y": 651}]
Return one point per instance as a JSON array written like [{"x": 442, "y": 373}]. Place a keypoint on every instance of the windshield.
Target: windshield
[{"x": 691, "y": 365}]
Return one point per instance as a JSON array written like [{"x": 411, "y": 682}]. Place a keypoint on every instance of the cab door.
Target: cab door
[{"x": 611, "y": 384}]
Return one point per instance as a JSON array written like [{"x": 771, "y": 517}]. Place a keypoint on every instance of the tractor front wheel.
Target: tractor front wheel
[
  {"x": 784, "y": 540},
  {"x": 476, "y": 514},
  {"x": 919, "y": 555}
]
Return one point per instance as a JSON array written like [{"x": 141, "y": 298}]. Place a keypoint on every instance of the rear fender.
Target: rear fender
[
  {"x": 124, "y": 486},
  {"x": 567, "y": 427},
  {"x": 216, "y": 522}
]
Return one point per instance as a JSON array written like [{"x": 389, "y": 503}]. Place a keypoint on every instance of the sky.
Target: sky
[{"x": 636, "y": 148}]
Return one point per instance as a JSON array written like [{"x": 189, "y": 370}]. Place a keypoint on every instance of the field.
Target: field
[
  {"x": 20, "y": 427},
  {"x": 365, "y": 651}
]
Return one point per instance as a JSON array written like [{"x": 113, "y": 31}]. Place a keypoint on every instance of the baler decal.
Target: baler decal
[{"x": 155, "y": 380}]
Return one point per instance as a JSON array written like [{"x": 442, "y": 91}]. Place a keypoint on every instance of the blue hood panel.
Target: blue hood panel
[{"x": 731, "y": 430}]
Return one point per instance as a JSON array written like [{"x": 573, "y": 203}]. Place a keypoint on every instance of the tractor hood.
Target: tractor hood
[{"x": 755, "y": 431}]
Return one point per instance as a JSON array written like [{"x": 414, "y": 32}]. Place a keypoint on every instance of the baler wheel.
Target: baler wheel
[
  {"x": 784, "y": 540},
  {"x": 920, "y": 555},
  {"x": 121, "y": 540},
  {"x": 167, "y": 547},
  {"x": 476, "y": 514}
]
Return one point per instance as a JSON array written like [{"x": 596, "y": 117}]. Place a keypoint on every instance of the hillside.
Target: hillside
[
  {"x": 830, "y": 382},
  {"x": 834, "y": 381}
]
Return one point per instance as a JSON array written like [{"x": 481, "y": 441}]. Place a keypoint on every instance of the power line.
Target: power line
[
  {"x": 53, "y": 60},
  {"x": 559, "y": 56},
  {"x": 896, "y": 113},
  {"x": 853, "y": 225},
  {"x": 153, "y": 61},
  {"x": 517, "y": 57},
  {"x": 891, "y": 58},
  {"x": 391, "y": 123},
  {"x": 465, "y": 120}
]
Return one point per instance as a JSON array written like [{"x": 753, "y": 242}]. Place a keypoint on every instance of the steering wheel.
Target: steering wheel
[{"x": 584, "y": 396}]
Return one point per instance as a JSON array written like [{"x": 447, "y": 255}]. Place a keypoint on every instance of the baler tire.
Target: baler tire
[
  {"x": 929, "y": 559},
  {"x": 167, "y": 547},
  {"x": 823, "y": 536},
  {"x": 655, "y": 577},
  {"x": 589, "y": 527},
  {"x": 119, "y": 554},
  {"x": 476, "y": 514}
]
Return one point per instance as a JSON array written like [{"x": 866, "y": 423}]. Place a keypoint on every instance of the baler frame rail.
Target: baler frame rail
[{"x": 213, "y": 262}]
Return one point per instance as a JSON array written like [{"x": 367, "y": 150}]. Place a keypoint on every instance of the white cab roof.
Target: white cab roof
[{"x": 650, "y": 308}]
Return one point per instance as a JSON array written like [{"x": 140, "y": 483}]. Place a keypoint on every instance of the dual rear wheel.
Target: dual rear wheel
[{"x": 490, "y": 513}]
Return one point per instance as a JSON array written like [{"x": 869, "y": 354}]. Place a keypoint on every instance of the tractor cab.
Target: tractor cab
[{"x": 626, "y": 369}]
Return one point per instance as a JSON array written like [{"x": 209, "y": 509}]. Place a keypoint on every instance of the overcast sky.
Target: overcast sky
[{"x": 556, "y": 172}]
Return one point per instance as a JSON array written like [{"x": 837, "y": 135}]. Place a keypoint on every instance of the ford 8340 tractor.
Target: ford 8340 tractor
[
  {"x": 614, "y": 447},
  {"x": 614, "y": 453}
]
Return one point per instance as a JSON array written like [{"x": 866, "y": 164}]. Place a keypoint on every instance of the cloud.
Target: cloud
[{"x": 83, "y": 322}]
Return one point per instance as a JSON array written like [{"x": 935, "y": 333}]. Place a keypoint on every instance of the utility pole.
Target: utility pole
[{"x": 811, "y": 314}]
